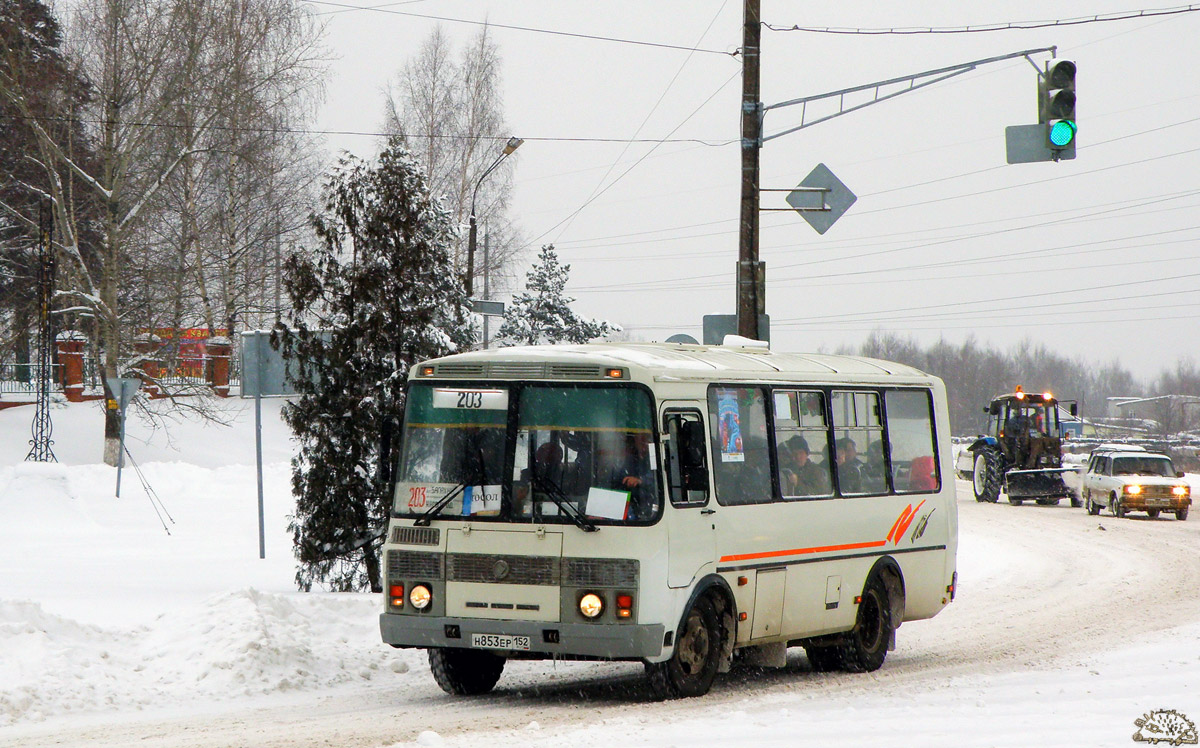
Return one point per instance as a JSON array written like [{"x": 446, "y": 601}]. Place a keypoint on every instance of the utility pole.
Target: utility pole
[{"x": 751, "y": 286}]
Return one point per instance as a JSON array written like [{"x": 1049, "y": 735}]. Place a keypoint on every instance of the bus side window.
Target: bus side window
[
  {"x": 858, "y": 444},
  {"x": 686, "y": 461},
  {"x": 740, "y": 452},
  {"x": 911, "y": 442}
]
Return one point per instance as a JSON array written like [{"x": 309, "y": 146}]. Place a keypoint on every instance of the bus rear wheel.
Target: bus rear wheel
[
  {"x": 867, "y": 645},
  {"x": 465, "y": 672},
  {"x": 824, "y": 659},
  {"x": 693, "y": 667}
]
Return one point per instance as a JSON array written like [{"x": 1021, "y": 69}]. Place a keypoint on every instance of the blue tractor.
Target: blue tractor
[{"x": 1021, "y": 454}]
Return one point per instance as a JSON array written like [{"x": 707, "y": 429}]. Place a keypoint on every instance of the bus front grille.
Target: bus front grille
[
  {"x": 502, "y": 569},
  {"x": 600, "y": 572},
  {"x": 415, "y": 535},
  {"x": 576, "y": 371},
  {"x": 414, "y": 565}
]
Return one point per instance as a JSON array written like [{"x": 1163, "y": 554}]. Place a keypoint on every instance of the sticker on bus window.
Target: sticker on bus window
[
  {"x": 729, "y": 426},
  {"x": 457, "y": 399},
  {"x": 606, "y": 504},
  {"x": 481, "y": 500}
]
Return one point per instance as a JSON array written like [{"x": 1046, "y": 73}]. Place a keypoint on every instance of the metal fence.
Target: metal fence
[{"x": 22, "y": 379}]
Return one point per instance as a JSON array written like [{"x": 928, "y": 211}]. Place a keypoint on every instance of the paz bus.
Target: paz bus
[{"x": 666, "y": 503}]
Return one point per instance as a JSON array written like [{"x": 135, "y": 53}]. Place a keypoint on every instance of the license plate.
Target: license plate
[{"x": 499, "y": 641}]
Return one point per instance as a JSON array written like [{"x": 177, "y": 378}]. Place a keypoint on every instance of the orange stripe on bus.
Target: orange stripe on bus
[
  {"x": 899, "y": 519},
  {"x": 801, "y": 551}
]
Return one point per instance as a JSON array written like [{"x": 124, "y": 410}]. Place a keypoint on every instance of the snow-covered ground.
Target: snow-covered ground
[{"x": 113, "y": 632}]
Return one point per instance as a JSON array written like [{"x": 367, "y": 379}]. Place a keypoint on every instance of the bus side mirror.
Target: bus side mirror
[
  {"x": 1179, "y": 473},
  {"x": 1074, "y": 409},
  {"x": 691, "y": 456}
]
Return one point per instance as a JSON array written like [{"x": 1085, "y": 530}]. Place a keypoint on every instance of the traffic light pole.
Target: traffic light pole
[
  {"x": 750, "y": 286},
  {"x": 751, "y": 276}
]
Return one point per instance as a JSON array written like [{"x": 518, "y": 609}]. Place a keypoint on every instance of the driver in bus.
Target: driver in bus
[{"x": 635, "y": 474}]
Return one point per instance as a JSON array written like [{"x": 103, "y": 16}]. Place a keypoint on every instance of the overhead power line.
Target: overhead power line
[
  {"x": 529, "y": 29},
  {"x": 1131, "y": 15},
  {"x": 712, "y": 143}
]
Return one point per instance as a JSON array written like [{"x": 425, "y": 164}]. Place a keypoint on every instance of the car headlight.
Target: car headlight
[
  {"x": 420, "y": 597},
  {"x": 1133, "y": 490},
  {"x": 591, "y": 605},
  {"x": 1181, "y": 490}
]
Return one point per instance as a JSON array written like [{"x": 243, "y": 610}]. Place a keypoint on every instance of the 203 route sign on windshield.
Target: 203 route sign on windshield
[{"x": 457, "y": 399}]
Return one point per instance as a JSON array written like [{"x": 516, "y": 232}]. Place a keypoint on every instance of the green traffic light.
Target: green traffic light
[{"x": 1062, "y": 133}]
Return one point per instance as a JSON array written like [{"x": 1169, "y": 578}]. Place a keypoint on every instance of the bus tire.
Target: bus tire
[
  {"x": 1152, "y": 513},
  {"x": 693, "y": 666},
  {"x": 465, "y": 672},
  {"x": 867, "y": 643},
  {"x": 1181, "y": 513},
  {"x": 823, "y": 659}
]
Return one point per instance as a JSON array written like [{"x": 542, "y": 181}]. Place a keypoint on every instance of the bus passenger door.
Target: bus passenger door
[{"x": 690, "y": 525}]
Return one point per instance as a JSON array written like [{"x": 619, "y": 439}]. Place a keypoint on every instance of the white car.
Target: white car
[{"x": 1133, "y": 480}]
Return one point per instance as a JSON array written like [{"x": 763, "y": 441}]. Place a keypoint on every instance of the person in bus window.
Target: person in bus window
[
  {"x": 635, "y": 474},
  {"x": 850, "y": 468},
  {"x": 546, "y": 468},
  {"x": 798, "y": 475}
]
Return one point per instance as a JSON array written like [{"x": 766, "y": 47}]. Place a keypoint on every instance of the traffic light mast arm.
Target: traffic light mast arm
[{"x": 937, "y": 76}]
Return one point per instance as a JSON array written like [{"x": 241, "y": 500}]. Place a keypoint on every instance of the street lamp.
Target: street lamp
[{"x": 513, "y": 144}]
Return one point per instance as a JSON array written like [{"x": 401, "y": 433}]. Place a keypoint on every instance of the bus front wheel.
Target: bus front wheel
[
  {"x": 693, "y": 667},
  {"x": 465, "y": 672}
]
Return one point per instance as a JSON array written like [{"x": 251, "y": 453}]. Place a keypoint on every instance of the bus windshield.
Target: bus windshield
[{"x": 578, "y": 452}]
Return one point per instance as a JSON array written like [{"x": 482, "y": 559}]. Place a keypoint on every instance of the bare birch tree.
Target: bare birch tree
[
  {"x": 155, "y": 67},
  {"x": 449, "y": 109}
]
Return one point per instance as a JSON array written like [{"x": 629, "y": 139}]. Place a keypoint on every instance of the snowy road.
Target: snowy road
[{"x": 1062, "y": 634}]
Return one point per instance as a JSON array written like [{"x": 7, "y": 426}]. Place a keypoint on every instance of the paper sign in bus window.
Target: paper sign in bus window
[
  {"x": 729, "y": 427},
  {"x": 481, "y": 500},
  {"x": 606, "y": 504}
]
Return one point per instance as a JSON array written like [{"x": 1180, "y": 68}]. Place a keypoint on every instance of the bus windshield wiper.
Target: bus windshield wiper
[
  {"x": 476, "y": 477},
  {"x": 564, "y": 504},
  {"x": 436, "y": 509}
]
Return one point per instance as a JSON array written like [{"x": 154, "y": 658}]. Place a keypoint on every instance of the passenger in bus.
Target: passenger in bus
[
  {"x": 798, "y": 475},
  {"x": 546, "y": 468},
  {"x": 635, "y": 474},
  {"x": 850, "y": 468}
]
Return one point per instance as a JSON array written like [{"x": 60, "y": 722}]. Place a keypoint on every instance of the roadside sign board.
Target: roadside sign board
[
  {"x": 490, "y": 308},
  {"x": 1026, "y": 144},
  {"x": 123, "y": 389},
  {"x": 821, "y": 198},
  {"x": 717, "y": 326}
]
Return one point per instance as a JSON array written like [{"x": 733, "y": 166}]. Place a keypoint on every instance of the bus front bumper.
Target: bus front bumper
[{"x": 605, "y": 641}]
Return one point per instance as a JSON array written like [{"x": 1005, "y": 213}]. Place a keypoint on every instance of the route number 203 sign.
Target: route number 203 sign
[{"x": 457, "y": 399}]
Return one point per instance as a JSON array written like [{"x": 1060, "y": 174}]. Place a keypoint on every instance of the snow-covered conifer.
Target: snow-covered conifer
[
  {"x": 542, "y": 312},
  {"x": 379, "y": 295}
]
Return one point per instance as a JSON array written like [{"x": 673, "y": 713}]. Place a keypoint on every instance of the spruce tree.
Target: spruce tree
[
  {"x": 378, "y": 295},
  {"x": 542, "y": 312}
]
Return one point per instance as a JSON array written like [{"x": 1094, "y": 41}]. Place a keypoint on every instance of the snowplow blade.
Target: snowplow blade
[{"x": 1046, "y": 483}]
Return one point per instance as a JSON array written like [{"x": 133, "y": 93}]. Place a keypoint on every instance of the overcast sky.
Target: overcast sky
[{"x": 1097, "y": 257}]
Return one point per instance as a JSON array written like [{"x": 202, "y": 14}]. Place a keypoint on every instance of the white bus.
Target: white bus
[{"x": 669, "y": 504}]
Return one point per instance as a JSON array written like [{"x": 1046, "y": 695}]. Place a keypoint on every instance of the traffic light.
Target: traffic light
[{"x": 1056, "y": 104}]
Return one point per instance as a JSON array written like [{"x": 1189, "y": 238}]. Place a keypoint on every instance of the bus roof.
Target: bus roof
[{"x": 673, "y": 360}]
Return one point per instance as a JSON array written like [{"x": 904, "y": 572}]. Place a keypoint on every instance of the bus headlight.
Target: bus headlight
[
  {"x": 1180, "y": 490},
  {"x": 420, "y": 597},
  {"x": 591, "y": 605},
  {"x": 1133, "y": 490}
]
